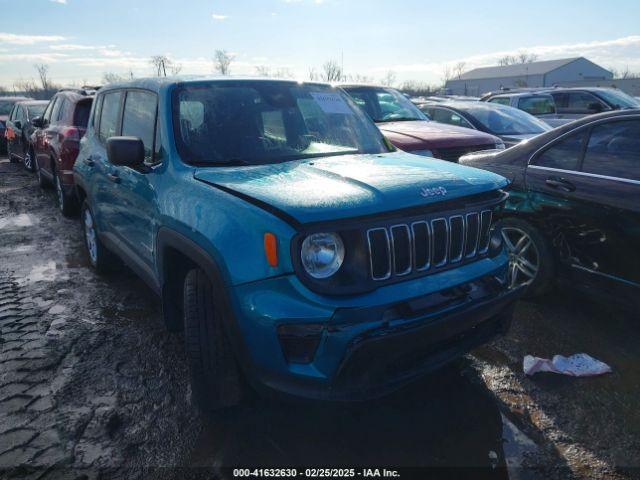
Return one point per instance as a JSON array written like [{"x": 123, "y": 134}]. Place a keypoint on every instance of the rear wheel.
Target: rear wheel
[
  {"x": 28, "y": 160},
  {"x": 531, "y": 261},
  {"x": 66, "y": 202},
  {"x": 42, "y": 180},
  {"x": 215, "y": 376}
]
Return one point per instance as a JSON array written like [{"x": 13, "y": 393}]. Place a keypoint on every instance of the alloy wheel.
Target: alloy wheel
[
  {"x": 90, "y": 237},
  {"x": 27, "y": 161},
  {"x": 524, "y": 258},
  {"x": 59, "y": 193}
]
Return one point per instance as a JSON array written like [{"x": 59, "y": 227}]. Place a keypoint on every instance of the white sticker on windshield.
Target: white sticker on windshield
[{"x": 331, "y": 102}]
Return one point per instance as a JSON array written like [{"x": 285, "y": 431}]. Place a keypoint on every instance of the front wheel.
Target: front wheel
[
  {"x": 100, "y": 258},
  {"x": 215, "y": 376},
  {"x": 531, "y": 261},
  {"x": 29, "y": 160}
]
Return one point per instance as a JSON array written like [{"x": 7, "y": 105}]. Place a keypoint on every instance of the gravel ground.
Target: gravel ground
[{"x": 91, "y": 385}]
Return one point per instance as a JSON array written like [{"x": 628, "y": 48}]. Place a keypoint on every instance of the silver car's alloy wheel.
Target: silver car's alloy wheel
[
  {"x": 60, "y": 193},
  {"x": 524, "y": 258},
  {"x": 90, "y": 237}
]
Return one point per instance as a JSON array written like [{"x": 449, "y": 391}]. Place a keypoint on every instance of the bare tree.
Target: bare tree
[
  {"x": 160, "y": 64},
  {"x": 43, "y": 73},
  {"x": 458, "y": 69},
  {"x": 359, "y": 78},
  {"x": 331, "y": 71},
  {"x": 110, "y": 77},
  {"x": 265, "y": 71},
  {"x": 418, "y": 89},
  {"x": 389, "y": 79},
  {"x": 175, "y": 68},
  {"x": 520, "y": 58},
  {"x": 507, "y": 60},
  {"x": 222, "y": 62},
  {"x": 314, "y": 76},
  {"x": 447, "y": 74},
  {"x": 525, "y": 57}
]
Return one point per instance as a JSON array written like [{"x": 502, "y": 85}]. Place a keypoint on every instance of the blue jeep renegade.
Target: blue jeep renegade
[{"x": 296, "y": 248}]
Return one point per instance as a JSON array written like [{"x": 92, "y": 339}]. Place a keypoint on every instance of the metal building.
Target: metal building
[{"x": 536, "y": 74}]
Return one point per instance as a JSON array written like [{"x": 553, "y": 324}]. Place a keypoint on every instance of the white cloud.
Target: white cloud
[
  {"x": 217, "y": 16},
  {"x": 16, "y": 39},
  {"x": 61, "y": 2}
]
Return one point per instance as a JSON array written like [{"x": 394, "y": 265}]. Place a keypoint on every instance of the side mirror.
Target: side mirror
[
  {"x": 37, "y": 122},
  {"x": 17, "y": 124},
  {"x": 595, "y": 107},
  {"x": 125, "y": 151}
]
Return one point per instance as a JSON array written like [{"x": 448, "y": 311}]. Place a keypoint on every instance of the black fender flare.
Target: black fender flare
[{"x": 172, "y": 306}]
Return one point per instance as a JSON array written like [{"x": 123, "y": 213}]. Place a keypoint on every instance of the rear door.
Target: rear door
[
  {"x": 41, "y": 143},
  {"x": 577, "y": 104}
]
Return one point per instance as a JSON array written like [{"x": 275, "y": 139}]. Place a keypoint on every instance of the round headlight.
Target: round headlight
[{"x": 322, "y": 254}]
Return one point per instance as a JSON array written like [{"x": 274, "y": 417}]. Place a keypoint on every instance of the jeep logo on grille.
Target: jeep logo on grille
[{"x": 432, "y": 192}]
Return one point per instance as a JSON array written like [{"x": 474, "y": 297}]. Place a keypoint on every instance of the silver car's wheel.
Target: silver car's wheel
[
  {"x": 90, "y": 237},
  {"x": 524, "y": 258}
]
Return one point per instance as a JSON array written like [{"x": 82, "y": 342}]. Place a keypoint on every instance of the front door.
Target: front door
[{"x": 592, "y": 219}]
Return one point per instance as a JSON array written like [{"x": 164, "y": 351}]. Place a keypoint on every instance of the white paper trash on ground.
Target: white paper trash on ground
[{"x": 578, "y": 365}]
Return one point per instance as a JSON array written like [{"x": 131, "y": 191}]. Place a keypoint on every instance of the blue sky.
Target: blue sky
[{"x": 82, "y": 39}]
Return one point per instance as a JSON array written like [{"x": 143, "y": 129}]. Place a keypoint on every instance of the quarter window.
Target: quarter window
[
  {"x": 564, "y": 155},
  {"x": 139, "y": 118},
  {"x": 444, "y": 115},
  {"x": 109, "y": 115},
  {"x": 57, "y": 108},
  {"x": 614, "y": 150}
]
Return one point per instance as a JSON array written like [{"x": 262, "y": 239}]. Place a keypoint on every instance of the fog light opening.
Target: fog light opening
[{"x": 300, "y": 342}]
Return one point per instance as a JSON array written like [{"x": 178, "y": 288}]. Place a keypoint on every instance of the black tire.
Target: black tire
[
  {"x": 66, "y": 203},
  {"x": 102, "y": 259},
  {"x": 42, "y": 180},
  {"x": 544, "y": 277},
  {"x": 215, "y": 376},
  {"x": 29, "y": 160}
]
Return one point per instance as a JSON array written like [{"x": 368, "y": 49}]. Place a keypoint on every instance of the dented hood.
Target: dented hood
[{"x": 350, "y": 186}]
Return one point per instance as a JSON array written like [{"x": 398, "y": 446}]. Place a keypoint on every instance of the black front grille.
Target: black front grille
[
  {"x": 401, "y": 249},
  {"x": 452, "y": 154}
]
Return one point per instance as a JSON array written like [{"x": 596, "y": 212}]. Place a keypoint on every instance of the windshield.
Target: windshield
[
  {"x": 501, "y": 120},
  {"x": 36, "y": 110},
  {"x": 245, "y": 122},
  {"x": 6, "y": 106},
  {"x": 385, "y": 104},
  {"x": 619, "y": 99}
]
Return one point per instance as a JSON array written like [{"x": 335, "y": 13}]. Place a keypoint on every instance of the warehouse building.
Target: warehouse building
[{"x": 535, "y": 74}]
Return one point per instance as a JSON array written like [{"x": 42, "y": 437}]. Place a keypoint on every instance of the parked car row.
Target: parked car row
[{"x": 322, "y": 241}]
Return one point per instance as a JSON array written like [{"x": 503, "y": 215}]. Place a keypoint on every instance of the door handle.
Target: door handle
[
  {"x": 560, "y": 184},
  {"x": 113, "y": 177}
]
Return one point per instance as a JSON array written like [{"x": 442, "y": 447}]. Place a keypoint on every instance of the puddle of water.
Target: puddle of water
[
  {"x": 18, "y": 221},
  {"x": 46, "y": 272}
]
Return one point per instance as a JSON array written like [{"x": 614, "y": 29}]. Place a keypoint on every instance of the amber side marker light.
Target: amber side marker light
[{"x": 271, "y": 249}]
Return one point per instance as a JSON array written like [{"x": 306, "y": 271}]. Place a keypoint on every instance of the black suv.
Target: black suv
[{"x": 19, "y": 129}]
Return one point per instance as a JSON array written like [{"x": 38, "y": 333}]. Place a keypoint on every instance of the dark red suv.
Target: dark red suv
[{"x": 57, "y": 141}]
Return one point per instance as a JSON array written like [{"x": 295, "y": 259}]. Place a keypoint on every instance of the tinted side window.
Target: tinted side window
[
  {"x": 564, "y": 155},
  {"x": 47, "y": 113},
  {"x": 501, "y": 100},
  {"x": 139, "y": 118},
  {"x": 614, "y": 150},
  {"x": 109, "y": 115},
  {"x": 580, "y": 102},
  {"x": 57, "y": 109},
  {"x": 537, "y": 105},
  {"x": 81, "y": 114}
]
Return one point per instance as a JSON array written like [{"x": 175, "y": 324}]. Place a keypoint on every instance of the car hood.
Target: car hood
[
  {"x": 432, "y": 135},
  {"x": 331, "y": 188}
]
